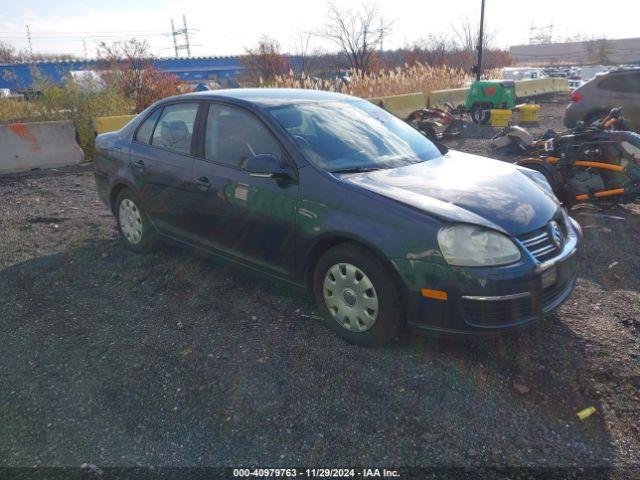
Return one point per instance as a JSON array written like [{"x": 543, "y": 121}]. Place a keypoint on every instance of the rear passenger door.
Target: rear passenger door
[
  {"x": 247, "y": 216},
  {"x": 161, "y": 157}
]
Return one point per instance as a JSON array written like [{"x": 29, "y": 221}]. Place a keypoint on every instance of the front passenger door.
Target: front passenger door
[{"x": 243, "y": 215}]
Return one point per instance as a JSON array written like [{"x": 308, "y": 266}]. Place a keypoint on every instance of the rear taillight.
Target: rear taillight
[{"x": 576, "y": 96}]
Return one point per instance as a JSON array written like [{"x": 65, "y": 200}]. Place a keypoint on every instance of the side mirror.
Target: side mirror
[{"x": 265, "y": 165}]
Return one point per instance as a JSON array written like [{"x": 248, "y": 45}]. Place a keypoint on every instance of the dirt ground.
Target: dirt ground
[{"x": 112, "y": 358}]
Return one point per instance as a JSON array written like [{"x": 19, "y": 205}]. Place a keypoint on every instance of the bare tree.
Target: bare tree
[
  {"x": 7, "y": 52},
  {"x": 306, "y": 56},
  {"x": 129, "y": 66},
  {"x": 358, "y": 34},
  {"x": 434, "y": 49},
  {"x": 467, "y": 34},
  {"x": 599, "y": 51},
  {"x": 264, "y": 62}
]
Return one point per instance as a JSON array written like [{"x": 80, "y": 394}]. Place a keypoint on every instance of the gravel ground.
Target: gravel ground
[{"x": 112, "y": 358}]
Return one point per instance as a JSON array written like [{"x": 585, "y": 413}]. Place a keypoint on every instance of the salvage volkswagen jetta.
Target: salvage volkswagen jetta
[{"x": 330, "y": 191}]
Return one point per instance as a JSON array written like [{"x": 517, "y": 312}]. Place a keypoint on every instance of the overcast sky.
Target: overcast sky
[{"x": 228, "y": 27}]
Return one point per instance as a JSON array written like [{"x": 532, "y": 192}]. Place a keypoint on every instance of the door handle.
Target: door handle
[
  {"x": 139, "y": 164},
  {"x": 203, "y": 183}
]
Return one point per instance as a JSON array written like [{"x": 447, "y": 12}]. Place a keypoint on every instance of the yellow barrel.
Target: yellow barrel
[
  {"x": 529, "y": 113},
  {"x": 500, "y": 118}
]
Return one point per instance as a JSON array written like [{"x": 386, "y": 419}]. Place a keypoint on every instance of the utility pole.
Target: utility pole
[
  {"x": 174, "y": 34},
  {"x": 29, "y": 44},
  {"x": 182, "y": 32},
  {"x": 186, "y": 35},
  {"x": 480, "y": 42}
]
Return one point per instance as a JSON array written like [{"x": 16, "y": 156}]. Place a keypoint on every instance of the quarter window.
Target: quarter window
[
  {"x": 175, "y": 128},
  {"x": 233, "y": 135},
  {"x": 143, "y": 134}
]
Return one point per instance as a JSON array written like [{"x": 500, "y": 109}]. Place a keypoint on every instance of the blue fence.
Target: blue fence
[{"x": 19, "y": 77}]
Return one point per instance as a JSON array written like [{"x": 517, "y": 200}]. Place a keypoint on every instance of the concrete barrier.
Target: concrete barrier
[
  {"x": 455, "y": 96},
  {"x": 401, "y": 105},
  {"x": 524, "y": 89},
  {"x": 26, "y": 146},
  {"x": 540, "y": 86},
  {"x": 111, "y": 124}
]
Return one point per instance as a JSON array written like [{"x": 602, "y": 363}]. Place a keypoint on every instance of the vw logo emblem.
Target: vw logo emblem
[{"x": 556, "y": 233}]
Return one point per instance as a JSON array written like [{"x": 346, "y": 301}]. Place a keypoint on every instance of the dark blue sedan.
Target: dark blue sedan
[{"x": 332, "y": 192}]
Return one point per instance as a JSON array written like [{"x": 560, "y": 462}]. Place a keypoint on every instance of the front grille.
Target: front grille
[
  {"x": 540, "y": 243},
  {"x": 493, "y": 313}
]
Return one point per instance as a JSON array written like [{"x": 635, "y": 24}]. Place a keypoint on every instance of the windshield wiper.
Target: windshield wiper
[{"x": 355, "y": 169}]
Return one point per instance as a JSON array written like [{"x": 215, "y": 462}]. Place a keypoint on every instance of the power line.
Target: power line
[{"x": 47, "y": 33}]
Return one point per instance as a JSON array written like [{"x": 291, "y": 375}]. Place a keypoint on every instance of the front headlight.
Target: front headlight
[{"x": 471, "y": 246}]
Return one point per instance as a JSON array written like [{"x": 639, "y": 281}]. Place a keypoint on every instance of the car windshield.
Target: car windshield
[{"x": 353, "y": 135}]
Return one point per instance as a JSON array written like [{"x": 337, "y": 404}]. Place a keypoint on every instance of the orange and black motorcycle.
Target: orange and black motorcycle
[{"x": 587, "y": 163}]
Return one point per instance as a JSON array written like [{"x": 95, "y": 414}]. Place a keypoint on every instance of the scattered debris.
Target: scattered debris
[
  {"x": 91, "y": 467},
  {"x": 586, "y": 413},
  {"x": 520, "y": 388},
  {"x": 612, "y": 265}
]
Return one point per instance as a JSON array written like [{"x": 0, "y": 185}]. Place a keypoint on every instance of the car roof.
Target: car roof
[
  {"x": 621, "y": 70},
  {"x": 266, "y": 97}
]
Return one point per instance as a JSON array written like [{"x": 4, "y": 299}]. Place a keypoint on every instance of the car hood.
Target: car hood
[{"x": 460, "y": 187}]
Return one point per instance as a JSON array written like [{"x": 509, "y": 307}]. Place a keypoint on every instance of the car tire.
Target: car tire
[
  {"x": 362, "y": 302},
  {"x": 480, "y": 115},
  {"x": 137, "y": 232}
]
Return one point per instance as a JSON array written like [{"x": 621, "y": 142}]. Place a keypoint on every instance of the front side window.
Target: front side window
[
  {"x": 232, "y": 135},
  {"x": 143, "y": 134},
  {"x": 353, "y": 135},
  {"x": 175, "y": 128}
]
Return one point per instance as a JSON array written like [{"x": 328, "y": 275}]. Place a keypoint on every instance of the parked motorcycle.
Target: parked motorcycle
[
  {"x": 435, "y": 123},
  {"x": 587, "y": 163}
]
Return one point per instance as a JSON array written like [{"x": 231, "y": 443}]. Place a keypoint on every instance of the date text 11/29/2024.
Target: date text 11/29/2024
[{"x": 316, "y": 472}]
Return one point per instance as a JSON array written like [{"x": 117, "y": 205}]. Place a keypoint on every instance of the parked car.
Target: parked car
[
  {"x": 617, "y": 88},
  {"x": 333, "y": 192},
  {"x": 575, "y": 83},
  {"x": 522, "y": 73}
]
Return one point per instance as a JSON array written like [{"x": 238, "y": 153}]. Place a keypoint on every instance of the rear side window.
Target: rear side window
[
  {"x": 175, "y": 128},
  {"x": 232, "y": 135},
  {"x": 143, "y": 134},
  {"x": 627, "y": 83}
]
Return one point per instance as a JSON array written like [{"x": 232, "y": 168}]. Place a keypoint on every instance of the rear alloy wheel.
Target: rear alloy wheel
[
  {"x": 357, "y": 296},
  {"x": 135, "y": 228}
]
